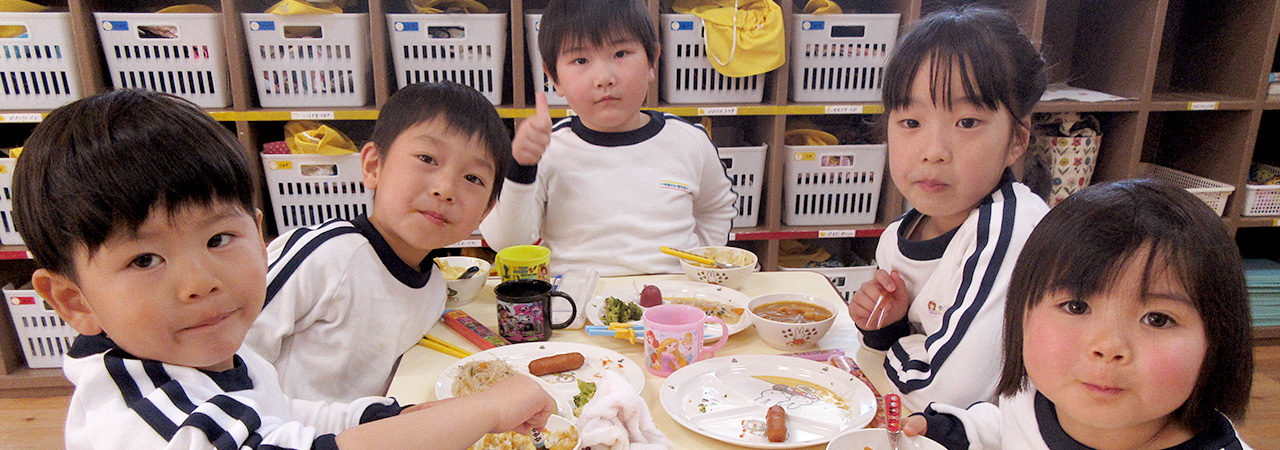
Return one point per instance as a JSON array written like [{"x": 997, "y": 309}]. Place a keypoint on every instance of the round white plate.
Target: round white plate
[
  {"x": 563, "y": 386},
  {"x": 676, "y": 288},
  {"x": 878, "y": 439},
  {"x": 726, "y": 398}
]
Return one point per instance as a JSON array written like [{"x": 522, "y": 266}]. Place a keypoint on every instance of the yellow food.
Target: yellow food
[
  {"x": 477, "y": 376},
  {"x": 737, "y": 258},
  {"x": 792, "y": 312},
  {"x": 450, "y": 272},
  {"x": 555, "y": 440},
  {"x": 726, "y": 312}
]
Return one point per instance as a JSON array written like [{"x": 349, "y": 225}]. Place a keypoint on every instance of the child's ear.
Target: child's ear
[
  {"x": 554, "y": 83},
  {"x": 653, "y": 68},
  {"x": 370, "y": 164},
  {"x": 67, "y": 299},
  {"x": 1019, "y": 142}
]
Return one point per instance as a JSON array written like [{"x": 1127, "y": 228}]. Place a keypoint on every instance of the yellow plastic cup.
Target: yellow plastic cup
[{"x": 520, "y": 262}]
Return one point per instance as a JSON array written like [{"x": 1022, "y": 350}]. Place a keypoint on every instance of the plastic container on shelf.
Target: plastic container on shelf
[
  {"x": 532, "y": 22},
  {"x": 840, "y": 57},
  {"x": 307, "y": 190},
  {"x": 38, "y": 66},
  {"x": 846, "y": 280},
  {"x": 1262, "y": 199},
  {"x": 8, "y": 233},
  {"x": 181, "y": 54},
  {"x": 468, "y": 49},
  {"x": 1212, "y": 193},
  {"x": 309, "y": 60},
  {"x": 832, "y": 184},
  {"x": 687, "y": 75},
  {"x": 745, "y": 167},
  {"x": 43, "y": 335}
]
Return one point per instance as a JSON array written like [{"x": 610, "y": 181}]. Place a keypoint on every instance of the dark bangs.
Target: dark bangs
[{"x": 571, "y": 23}]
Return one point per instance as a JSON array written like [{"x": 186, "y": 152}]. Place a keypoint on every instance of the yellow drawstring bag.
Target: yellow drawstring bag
[
  {"x": 15, "y": 152},
  {"x": 12, "y": 31},
  {"x": 822, "y": 7},
  {"x": 303, "y": 8},
  {"x": 314, "y": 138},
  {"x": 809, "y": 136},
  {"x": 187, "y": 9},
  {"x": 743, "y": 37},
  {"x": 447, "y": 6}
]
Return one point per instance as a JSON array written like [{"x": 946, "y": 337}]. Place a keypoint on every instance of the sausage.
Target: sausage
[
  {"x": 557, "y": 363},
  {"x": 775, "y": 424}
]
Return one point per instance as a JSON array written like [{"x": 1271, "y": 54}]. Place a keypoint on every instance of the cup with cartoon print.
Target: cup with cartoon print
[
  {"x": 524, "y": 310},
  {"x": 673, "y": 336}
]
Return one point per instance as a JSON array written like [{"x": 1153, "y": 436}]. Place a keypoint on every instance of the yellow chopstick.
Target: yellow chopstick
[
  {"x": 445, "y": 343},
  {"x": 436, "y": 344}
]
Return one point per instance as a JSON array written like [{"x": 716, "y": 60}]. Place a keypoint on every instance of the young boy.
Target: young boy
[
  {"x": 138, "y": 207},
  {"x": 606, "y": 188},
  {"x": 366, "y": 285}
]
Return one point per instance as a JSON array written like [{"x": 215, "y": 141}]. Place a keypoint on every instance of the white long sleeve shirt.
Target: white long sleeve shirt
[{"x": 607, "y": 201}]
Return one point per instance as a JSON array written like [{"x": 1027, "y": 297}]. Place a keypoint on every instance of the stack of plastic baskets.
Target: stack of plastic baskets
[
  {"x": 8, "y": 232},
  {"x": 832, "y": 184},
  {"x": 307, "y": 190},
  {"x": 38, "y": 66},
  {"x": 180, "y": 54},
  {"x": 44, "y": 336},
  {"x": 311, "y": 60},
  {"x": 532, "y": 22},
  {"x": 840, "y": 57},
  {"x": 468, "y": 49},
  {"x": 1262, "y": 199},
  {"x": 687, "y": 74},
  {"x": 1212, "y": 193},
  {"x": 745, "y": 167}
]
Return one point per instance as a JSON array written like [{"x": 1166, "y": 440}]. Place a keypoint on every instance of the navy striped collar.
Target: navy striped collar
[
  {"x": 409, "y": 276},
  {"x": 633, "y": 137},
  {"x": 231, "y": 380}
]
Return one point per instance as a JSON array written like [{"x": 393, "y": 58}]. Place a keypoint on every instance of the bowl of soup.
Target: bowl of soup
[{"x": 791, "y": 321}]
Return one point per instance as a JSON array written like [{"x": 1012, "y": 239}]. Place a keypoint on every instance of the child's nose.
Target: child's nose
[
  {"x": 1109, "y": 344},
  {"x": 443, "y": 190},
  {"x": 604, "y": 75},
  {"x": 937, "y": 146},
  {"x": 199, "y": 281}
]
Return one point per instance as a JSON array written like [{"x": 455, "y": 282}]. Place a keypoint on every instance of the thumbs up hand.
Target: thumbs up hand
[{"x": 534, "y": 134}]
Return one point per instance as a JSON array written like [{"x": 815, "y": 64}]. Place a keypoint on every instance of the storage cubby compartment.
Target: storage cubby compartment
[
  {"x": 744, "y": 154},
  {"x": 1208, "y": 53},
  {"x": 840, "y": 57},
  {"x": 687, "y": 75},
  {"x": 1100, "y": 52},
  {"x": 308, "y": 189},
  {"x": 1204, "y": 144},
  {"x": 847, "y": 263},
  {"x": 309, "y": 61},
  {"x": 177, "y": 53},
  {"x": 468, "y": 49},
  {"x": 43, "y": 335},
  {"x": 539, "y": 79},
  {"x": 38, "y": 59}
]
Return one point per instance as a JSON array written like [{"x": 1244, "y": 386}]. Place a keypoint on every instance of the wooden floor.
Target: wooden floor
[{"x": 36, "y": 423}]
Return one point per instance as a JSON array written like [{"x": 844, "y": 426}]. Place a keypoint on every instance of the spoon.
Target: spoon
[
  {"x": 696, "y": 258},
  {"x": 471, "y": 271}
]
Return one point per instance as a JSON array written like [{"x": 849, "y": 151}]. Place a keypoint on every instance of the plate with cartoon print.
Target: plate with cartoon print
[
  {"x": 563, "y": 385},
  {"x": 725, "y": 398},
  {"x": 703, "y": 295}
]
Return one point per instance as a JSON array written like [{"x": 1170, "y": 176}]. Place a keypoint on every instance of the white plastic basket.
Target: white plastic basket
[
  {"x": 840, "y": 57},
  {"x": 38, "y": 68},
  {"x": 1262, "y": 199},
  {"x": 44, "y": 336},
  {"x": 8, "y": 232},
  {"x": 180, "y": 54},
  {"x": 309, "y": 61},
  {"x": 468, "y": 49},
  {"x": 308, "y": 190},
  {"x": 1212, "y": 193},
  {"x": 846, "y": 280},
  {"x": 687, "y": 75},
  {"x": 532, "y": 22},
  {"x": 832, "y": 184},
  {"x": 745, "y": 166}
]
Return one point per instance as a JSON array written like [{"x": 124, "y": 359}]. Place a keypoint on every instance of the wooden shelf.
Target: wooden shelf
[{"x": 26, "y": 382}]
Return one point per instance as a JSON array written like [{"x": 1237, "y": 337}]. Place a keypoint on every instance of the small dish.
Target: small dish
[
  {"x": 462, "y": 291},
  {"x": 734, "y": 278},
  {"x": 791, "y": 336}
]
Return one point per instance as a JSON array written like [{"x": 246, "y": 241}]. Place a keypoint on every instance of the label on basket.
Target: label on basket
[
  {"x": 813, "y": 25},
  {"x": 678, "y": 25},
  {"x": 22, "y": 117},
  {"x": 721, "y": 111},
  {"x": 465, "y": 243},
  {"x": 406, "y": 26},
  {"x": 804, "y": 156},
  {"x": 23, "y": 300},
  {"x": 115, "y": 25},
  {"x": 1202, "y": 106},
  {"x": 262, "y": 25},
  {"x": 310, "y": 115},
  {"x": 838, "y": 234},
  {"x": 281, "y": 165},
  {"x": 843, "y": 109}
]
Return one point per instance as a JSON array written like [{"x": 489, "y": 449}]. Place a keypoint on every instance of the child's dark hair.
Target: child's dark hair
[
  {"x": 1105, "y": 226},
  {"x": 463, "y": 109},
  {"x": 102, "y": 164},
  {"x": 595, "y": 22},
  {"x": 998, "y": 63}
]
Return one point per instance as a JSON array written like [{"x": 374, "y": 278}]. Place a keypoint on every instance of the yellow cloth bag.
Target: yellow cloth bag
[
  {"x": 15, "y": 152},
  {"x": 314, "y": 138},
  {"x": 808, "y": 136},
  {"x": 187, "y": 9},
  {"x": 447, "y": 6},
  {"x": 822, "y": 7},
  {"x": 303, "y": 8},
  {"x": 743, "y": 37},
  {"x": 11, "y": 31}
]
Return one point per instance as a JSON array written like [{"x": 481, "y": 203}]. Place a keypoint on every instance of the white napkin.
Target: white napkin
[{"x": 617, "y": 418}]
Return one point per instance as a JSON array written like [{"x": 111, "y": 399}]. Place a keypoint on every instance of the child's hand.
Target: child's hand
[
  {"x": 915, "y": 425},
  {"x": 520, "y": 405},
  {"x": 534, "y": 134},
  {"x": 889, "y": 291}
]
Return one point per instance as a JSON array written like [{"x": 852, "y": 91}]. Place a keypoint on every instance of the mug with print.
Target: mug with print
[
  {"x": 520, "y": 262},
  {"x": 524, "y": 310},
  {"x": 673, "y": 337}
]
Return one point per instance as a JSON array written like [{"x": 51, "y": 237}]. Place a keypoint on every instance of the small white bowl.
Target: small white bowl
[
  {"x": 790, "y": 336},
  {"x": 878, "y": 439},
  {"x": 462, "y": 292},
  {"x": 730, "y": 278}
]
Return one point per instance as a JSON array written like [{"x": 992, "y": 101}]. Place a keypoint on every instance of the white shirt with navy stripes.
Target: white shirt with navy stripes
[
  {"x": 948, "y": 348},
  {"x": 122, "y": 402},
  {"x": 608, "y": 201},
  {"x": 341, "y": 308}
]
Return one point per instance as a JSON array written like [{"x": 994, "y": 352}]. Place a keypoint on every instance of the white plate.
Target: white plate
[
  {"x": 562, "y": 386},
  {"x": 676, "y": 288},
  {"x": 726, "y": 398},
  {"x": 878, "y": 439}
]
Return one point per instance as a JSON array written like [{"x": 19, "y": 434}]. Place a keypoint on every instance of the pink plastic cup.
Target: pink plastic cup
[{"x": 673, "y": 336}]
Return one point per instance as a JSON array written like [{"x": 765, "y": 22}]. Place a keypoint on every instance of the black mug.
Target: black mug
[{"x": 524, "y": 310}]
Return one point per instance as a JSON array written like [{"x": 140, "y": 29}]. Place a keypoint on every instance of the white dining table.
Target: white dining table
[{"x": 415, "y": 377}]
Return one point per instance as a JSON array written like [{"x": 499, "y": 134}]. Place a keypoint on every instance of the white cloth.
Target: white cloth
[
  {"x": 341, "y": 309},
  {"x": 608, "y": 201},
  {"x": 617, "y": 418}
]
